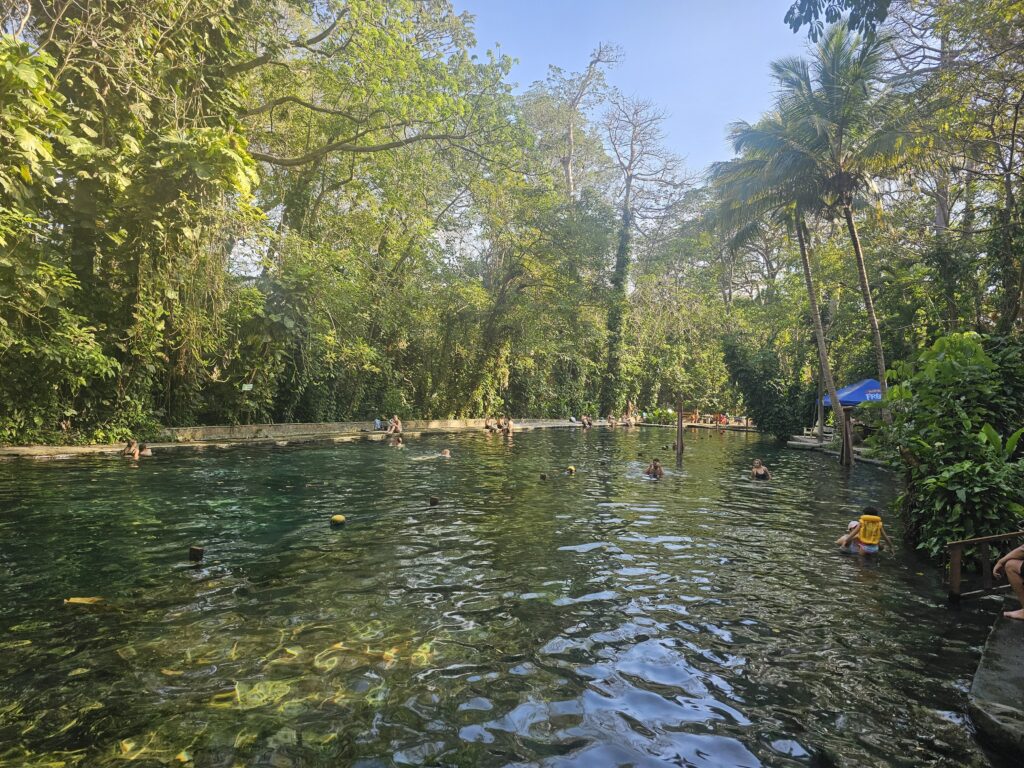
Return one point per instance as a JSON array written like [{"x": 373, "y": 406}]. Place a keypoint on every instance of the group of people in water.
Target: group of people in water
[
  {"x": 133, "y": 449},
  {"x": 502, "y": 425}
]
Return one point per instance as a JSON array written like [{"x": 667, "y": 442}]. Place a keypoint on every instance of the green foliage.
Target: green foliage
[
  {"x": 864, "y": 15},
  {"x": 773, "y": 400},
  {"x": 241, "y": 211},
  {"x": 962, "y": 478}
]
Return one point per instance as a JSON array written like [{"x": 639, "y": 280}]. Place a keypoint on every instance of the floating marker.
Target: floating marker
[
  {"x": 337, "y": 520},
  {"x": 434, "y": 501},
  {"x": 195, "y": 554}
]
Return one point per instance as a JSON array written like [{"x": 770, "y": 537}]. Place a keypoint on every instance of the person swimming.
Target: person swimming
[
  {"x": 759, "y": 471},
  {"x": 446, "y": 454},
  {"x": 131, "y": 449},
  {"x": 864, "y": 536},
  {"x": 654, "y": 470}
]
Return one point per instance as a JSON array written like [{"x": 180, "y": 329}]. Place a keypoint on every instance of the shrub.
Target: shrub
[{"x": 962, "y": 479}]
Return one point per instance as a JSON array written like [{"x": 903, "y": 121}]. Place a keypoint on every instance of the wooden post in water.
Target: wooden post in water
[
  {"x": 679, "y": 434},
  {"x": 846, "y": 450},
  {"x": 956, "y": 553}
]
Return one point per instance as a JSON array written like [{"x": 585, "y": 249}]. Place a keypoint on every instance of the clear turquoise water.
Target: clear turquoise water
[{"x": 599, "y": 619}]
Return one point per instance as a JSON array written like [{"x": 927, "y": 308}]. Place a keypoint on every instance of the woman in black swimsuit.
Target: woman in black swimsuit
[{"x": 760, "y": 471}]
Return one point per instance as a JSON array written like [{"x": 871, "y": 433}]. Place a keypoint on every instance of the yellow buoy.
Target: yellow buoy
[{"x": 337, "y": 519}]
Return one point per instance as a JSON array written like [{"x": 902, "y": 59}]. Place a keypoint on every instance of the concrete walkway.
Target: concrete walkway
[
  {"x": 219, "y": 437},
  {"x": 811, "y": 444},
  {"x": 996, "y": 700}
]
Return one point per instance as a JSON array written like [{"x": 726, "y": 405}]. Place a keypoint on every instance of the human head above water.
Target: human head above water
[
  {"x": 869, "y": 510},
  {"x": 757, "y": 462}
]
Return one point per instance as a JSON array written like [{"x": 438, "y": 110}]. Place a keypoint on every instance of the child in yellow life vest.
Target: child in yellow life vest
[{"x": 864, "y": 535}]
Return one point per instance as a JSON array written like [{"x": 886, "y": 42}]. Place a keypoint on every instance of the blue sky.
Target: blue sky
[{"x": 704, "y": 62}]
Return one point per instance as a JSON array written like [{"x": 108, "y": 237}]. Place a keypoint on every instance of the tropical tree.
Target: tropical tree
[
  {"x": 763, "y": 182},
  {"x": 837, "y": 131}
]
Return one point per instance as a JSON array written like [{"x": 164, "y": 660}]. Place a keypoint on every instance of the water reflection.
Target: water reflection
[{"x": 592, "y": 619}]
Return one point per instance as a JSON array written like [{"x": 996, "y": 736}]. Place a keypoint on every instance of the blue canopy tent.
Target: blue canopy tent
[{"x": 868, "y": 390}]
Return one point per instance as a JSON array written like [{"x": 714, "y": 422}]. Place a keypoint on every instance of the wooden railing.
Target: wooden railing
[{"x": 956, "y": 556}]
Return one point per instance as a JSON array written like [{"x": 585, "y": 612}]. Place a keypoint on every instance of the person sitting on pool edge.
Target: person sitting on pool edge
[
  {"x": 759, "y": 471},
  {"x": 863, "y": 536},
  {"x": 654, "y": 470},
  {"x": 395, "y": 425},
  {"x": 1011, "y": 566}
]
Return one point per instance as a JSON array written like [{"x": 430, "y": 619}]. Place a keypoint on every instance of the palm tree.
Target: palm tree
[
  {"x": 836, "y": 132},
  {"x": 756, "y": 185}
]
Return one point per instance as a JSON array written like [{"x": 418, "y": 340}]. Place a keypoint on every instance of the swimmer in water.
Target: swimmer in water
[
  {"x": 759, "y": 471},
  {"x": 446, "y": 454},
  {"x": 864, "y": 536},
  {"x": 654, "y": 470}
]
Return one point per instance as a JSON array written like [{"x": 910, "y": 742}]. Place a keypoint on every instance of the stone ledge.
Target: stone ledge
[
  {"x": 280, "y": 435},
  {"x": 995, "y": 702}
]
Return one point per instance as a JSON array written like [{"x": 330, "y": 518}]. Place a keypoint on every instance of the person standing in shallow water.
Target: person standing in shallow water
[
  {"x": 1011, "y": 565},
  {"x": 759, "y": 471}
]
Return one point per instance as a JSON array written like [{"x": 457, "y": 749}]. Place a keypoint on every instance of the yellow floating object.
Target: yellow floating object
[
  {"x": 82, "y": 600},
  {"x": 337, "y": 519},
  {"x": 870, "y": 529},
  {"x": 570, "y": 469}
]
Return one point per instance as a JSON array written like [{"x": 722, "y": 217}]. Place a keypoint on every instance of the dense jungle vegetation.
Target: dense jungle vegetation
[{"x": 339, "y": 204}]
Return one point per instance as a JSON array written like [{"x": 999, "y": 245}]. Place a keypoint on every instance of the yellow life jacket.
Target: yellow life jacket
[{"x": 870, "y": 529}]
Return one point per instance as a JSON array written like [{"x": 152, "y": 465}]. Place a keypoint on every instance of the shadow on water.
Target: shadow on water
[{"x": 592, "y": 619}]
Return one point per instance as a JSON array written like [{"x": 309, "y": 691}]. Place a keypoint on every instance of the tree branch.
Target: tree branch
[{"x": 345, "y": 146}]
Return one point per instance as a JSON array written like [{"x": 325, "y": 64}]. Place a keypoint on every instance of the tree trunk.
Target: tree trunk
[
  {"x": 570, "y": 181},
  {"x": 865, "y": 290},
  {"x": 611, "y": 385},
  {"x": 819, "y": 333}
]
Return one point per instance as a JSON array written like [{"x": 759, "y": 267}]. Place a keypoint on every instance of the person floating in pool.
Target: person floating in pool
[
  {"x": 145, "y": 450},
  {"x": 759, "y": 471},
  {"x": 654, "y": 470},
  {"x": 131, "y": 449},
  {"x": 1011, "y": 565},
  {"x": 446, "y": 454},
  {"x": 864, "y": 536},
  {"x": 397, "y": 442}
]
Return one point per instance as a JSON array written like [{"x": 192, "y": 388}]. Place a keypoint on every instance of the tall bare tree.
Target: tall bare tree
[{"x": 648, "y": 181}]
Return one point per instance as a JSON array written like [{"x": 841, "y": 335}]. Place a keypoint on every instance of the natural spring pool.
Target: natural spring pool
[{"x": 588, "y": 620}]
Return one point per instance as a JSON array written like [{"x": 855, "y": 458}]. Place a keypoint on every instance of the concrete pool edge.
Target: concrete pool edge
[
  {"x": 296, "y": 433},
  {"x": 994, "y": 702},
  {"x": 280, "y": 435}
]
